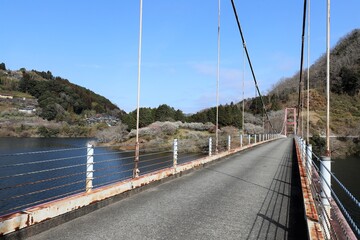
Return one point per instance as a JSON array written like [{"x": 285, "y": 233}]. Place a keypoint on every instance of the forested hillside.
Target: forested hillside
[
  {"x": 344, "y": 96},
  {"x": 35, "y": 103},
  {"x": 57, "y": 97}
]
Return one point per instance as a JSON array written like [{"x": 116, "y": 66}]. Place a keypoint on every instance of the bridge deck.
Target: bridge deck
[{"x": 251, "y": 195}]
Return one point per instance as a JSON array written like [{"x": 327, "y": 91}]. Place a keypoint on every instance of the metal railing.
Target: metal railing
[
  {"x": 31, "y": 178},
  {"x": 338, "y": 209}
]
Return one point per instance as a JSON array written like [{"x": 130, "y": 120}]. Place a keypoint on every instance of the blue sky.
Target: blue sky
[{"x": 94, "y": 44}]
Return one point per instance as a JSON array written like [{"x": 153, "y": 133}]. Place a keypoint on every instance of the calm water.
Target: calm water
[
  {"x": 31, "y": 179},
  {"x": 347, "y": 171},
  {"x": 19, "y": 188}
]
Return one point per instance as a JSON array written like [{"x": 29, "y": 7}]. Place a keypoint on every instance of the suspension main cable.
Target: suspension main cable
[
  {"x": 301, "y": 64},
  {"x": 251, "y": 68}
]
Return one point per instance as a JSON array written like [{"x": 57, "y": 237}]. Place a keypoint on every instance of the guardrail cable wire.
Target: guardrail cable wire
[
  {"x": 41, "y": 152},
  {"x": 41, "y": 181},
  {"x": 319, "y": 190}
]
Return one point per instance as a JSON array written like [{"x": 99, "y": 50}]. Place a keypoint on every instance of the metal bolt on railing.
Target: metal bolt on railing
[{"x": 89, "y": 167}]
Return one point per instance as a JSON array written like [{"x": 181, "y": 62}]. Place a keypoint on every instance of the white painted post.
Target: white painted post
[
  {"x": 241, "y": 140},
  {"x": 210, "y": 146},
  {"x": 249, "y": 139},
  {"x": 309, "y": 161},
  {"x": 89, "y": 167},
  {"x": 303, "y": 151},
  {"x": 255, "y": 138},
  {"x": 326, "y": 185},
  {"x": 325, "y": 180},
  {"x": 229, "y": 143},
  {"x": 175, "y": 151}
]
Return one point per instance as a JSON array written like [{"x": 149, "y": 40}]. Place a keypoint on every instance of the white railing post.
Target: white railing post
[
  {"x": 303, "y": 143},
  {"x": 229, "y": 143},
  {"x": 255, "y": 138},
  {"x": 89, "y": 167},
  {"x": 210, "y": 146},
  {"x": 309, "y": 161},
  {"x": 325, "y": 168},
  {"x": 241, "y": 140},
  {"x": 249, "y": 139},
  {"x": 175, "y": 152}
]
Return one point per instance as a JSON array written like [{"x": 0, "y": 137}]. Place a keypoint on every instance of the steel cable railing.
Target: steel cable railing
[
  {"x": 155, "y": 161},
  {"x": 29, "y": 179},
  {"x": 344, "y": 210},
  {"x": 184, "y": 158},
  {"x": 318, "y": 185},
  {"x": 317, "y": 190}
]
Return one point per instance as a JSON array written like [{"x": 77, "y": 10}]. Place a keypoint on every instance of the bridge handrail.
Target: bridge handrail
[
  {"x": 352, "y": 197},
  {"x": 40, "y": 176},
  {"x": 308, "y": 155}
]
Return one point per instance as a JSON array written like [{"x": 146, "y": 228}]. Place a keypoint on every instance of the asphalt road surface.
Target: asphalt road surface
[{"x": 254, "y": 194}]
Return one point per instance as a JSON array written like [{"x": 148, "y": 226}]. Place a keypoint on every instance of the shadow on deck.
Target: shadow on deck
[{"x": 282, "y": 211}]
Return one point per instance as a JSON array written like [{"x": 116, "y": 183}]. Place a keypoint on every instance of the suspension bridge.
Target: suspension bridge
[
  {"x": 260, "y": 186},
  {"x": 255, "y": 187}
]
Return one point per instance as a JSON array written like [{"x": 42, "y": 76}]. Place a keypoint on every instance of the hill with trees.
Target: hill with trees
[
  {"x": 344, "y": 96},
  {"x": 34, "y": 99}
]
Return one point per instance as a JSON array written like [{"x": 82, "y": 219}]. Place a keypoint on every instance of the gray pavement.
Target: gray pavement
[{"x": 251, "y": 195}]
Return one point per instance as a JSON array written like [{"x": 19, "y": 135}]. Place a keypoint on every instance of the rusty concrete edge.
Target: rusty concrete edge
[
  {"x": 40, "y": 218},
  {"x": 311, "y": 215}
]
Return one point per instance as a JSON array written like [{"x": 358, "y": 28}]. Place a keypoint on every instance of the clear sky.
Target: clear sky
[{"x": 94, "y": 44}]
